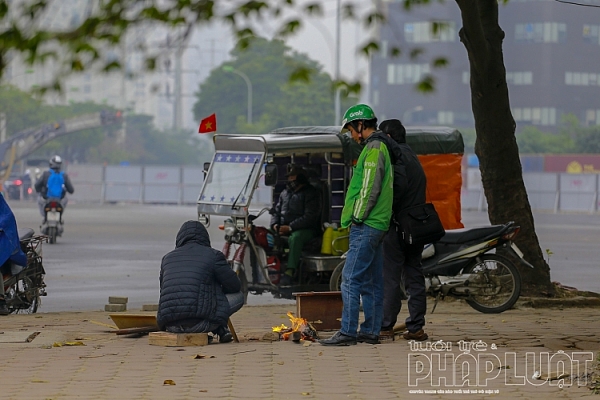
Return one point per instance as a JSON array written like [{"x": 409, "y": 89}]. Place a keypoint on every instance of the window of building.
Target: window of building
[
  {"x": 384, "y": 49},
  {"x": 582, "y": 78},
  {"x": 535, "y": 115},
  {"x": 401, "y": 74},
  {"x": 541, "y": 32},
  {"x": 445, "y": 118},
  {"x": 592, "y": 117},
  {"x": 466, "y": 77},
  {"x": 427, "y": 31},
  {"x": 519, "y": 78},
  {"x": 591, "y": 34},
  {"x": 512, "y": 78}
]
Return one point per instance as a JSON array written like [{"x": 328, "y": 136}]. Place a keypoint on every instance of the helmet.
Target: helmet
[
  {"x": 55, "y": 162},
  {"x": 357, "y": 112}
]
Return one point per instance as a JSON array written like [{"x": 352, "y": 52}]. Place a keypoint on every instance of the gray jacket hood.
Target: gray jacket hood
[{"x": 192, "y": 231}]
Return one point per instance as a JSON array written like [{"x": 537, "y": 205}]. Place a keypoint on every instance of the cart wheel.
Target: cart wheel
[{"x": 335, "y": 283}]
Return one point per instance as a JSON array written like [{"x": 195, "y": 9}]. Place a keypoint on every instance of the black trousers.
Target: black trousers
[{"x": 402, "y": 263}]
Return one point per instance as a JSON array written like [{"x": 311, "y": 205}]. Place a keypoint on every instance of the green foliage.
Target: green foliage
[
  {"x": 532, "y": 140},
  {"x": 288, "y": 89}
]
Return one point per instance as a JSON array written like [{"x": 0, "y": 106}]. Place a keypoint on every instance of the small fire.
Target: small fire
[{"x": 298, "y": 325}]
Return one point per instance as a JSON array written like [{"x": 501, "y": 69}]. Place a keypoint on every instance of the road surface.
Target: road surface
[{"x": 116, "y": 250}]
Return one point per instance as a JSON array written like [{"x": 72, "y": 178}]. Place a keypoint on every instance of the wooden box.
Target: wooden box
[
  {"x": 177, "y": 339},
  {"x": 322, "y": 309}
]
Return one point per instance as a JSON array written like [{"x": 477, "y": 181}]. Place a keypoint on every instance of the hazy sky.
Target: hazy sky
[{"x": 210, "y": 46}]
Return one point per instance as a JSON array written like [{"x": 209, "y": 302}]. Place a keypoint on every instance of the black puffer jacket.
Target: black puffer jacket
[
  {"x": 194, "y": 279},
  {"x": 299, "y": 210},
  {"x": 409, "y": 178}
]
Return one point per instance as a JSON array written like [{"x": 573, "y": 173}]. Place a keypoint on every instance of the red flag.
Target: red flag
[{"x": 208, "y": 124}]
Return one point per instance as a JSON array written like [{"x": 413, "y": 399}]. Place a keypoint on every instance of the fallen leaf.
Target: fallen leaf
[
  {"x": 203, "y": 390},
  {"x": 200, "y": 356},
  {"x": 280, "y": 363},
  {"x": 74, "y": 343},
  {"x": 305, "y": 393},
  {"x": 38, "y": 381},
  {"x": 169, "y": 382},
  {"x": 57, "y": 344},
  {"x": 306, "y": 343},
  {"x": 320, "y": 353}
]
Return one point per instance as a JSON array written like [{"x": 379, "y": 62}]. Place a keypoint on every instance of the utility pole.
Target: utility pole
[
  {"x": 2, "y": 127},
  {"x": 121, "y": 133},
  {"x": 338, "y": 24},
  {"x": 177, "y": 114}
]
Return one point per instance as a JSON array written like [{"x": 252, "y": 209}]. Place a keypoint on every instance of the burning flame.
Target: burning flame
[{"x": 298, "y": 324}]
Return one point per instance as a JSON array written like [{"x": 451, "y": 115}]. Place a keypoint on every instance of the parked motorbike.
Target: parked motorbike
[
  {"x": 52, "y": 226},
  {"x": 24, "y": 286},
  {"x": 461, "y": 265}
]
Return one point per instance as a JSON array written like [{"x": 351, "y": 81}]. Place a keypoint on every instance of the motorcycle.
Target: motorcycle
[
  {"x": 258, "y": 257},
  {"x": 52, "y": 226},
  {"x": 23, "y": 287},
  {"x": 461, "y": 265}
]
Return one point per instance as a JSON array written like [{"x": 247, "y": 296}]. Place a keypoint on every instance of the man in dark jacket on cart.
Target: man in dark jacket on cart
[
  {"x": 297, "y": 215},
  {"x": 198, "y": 289}
]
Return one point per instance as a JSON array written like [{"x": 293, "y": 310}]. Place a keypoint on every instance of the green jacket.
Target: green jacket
[{"x": 370, "y": 194}]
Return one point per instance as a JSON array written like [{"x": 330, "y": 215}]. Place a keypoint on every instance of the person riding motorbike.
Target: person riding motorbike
[{"x": 53, "y": 183}]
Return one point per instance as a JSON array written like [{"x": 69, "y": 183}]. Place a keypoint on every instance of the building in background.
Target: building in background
[
  {"x": 177, "y": 75},
  {"x": 551, "y": 53}
]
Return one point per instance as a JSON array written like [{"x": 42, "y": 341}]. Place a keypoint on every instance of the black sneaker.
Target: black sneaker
[
  {"x": 339, "y": 339},
  {"x": 367, "y": 338},
  {"x": 224, "y": 335}
]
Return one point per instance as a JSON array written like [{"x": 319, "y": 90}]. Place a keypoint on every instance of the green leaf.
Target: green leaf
[
  {"x": 427, "y": 84},
  {"x": 440, "y": 62},
  {"x": 369, "y": 48}
]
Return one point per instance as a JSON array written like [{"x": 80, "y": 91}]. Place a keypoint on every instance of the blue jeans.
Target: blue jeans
[{"x": 362, "y": 276}]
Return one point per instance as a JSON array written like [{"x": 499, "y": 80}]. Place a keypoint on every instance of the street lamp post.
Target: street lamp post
[
  {"x": 229, "y": 68},
  {"x": 337, "y": 62}
]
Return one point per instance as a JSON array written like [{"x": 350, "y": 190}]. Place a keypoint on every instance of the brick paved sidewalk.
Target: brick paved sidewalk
[{"x": 107, "y": 366}]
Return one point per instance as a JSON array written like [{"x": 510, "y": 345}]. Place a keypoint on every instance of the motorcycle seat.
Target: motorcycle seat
[
  {"x": 465, "y": 235},
  {"x": 25, "y": 233}
]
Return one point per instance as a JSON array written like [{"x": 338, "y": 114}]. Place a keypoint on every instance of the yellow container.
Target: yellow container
[
  {"x": 340, "y": 246},
  {"x": 327, "y": 238}
]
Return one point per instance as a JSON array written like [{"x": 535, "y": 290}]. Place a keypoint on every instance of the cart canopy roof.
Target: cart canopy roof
[{"x": 327, "y": 139}]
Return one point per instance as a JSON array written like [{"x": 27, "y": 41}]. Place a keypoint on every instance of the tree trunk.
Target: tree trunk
[{"x": 496, "y": 145}]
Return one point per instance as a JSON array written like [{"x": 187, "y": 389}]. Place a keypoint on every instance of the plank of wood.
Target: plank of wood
[
  {"x": 139, "y": 329},
  {"x": 230, "y": 326},
  {"x": 177, "y": 339}
]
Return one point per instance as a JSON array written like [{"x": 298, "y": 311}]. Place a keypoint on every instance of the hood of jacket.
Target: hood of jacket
[{"x": 192, "y": 231}]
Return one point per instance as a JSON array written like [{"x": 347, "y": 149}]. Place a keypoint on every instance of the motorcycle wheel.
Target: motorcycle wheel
[
  {"x": 335, "y": 282},
  {"x": 52, "y": 234},
  {"x": 26, "y": 291},
  {"x": 497, "y": 284}
]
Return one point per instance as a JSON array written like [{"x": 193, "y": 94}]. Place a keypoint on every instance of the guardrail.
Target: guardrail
[{"x": 181, "y": 185}]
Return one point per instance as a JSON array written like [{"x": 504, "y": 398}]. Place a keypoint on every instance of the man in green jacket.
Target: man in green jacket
[{"x": 368, "y": 210}]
